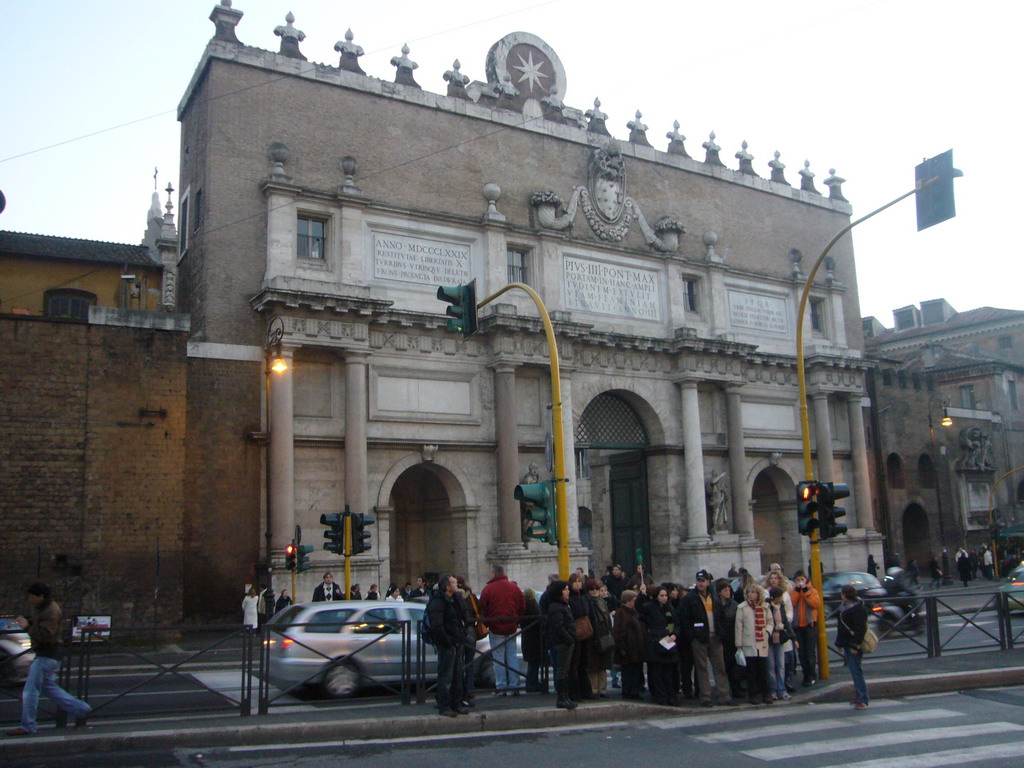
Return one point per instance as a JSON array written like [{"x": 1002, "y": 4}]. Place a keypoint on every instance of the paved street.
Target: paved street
[{"x": 983, "y": 727}]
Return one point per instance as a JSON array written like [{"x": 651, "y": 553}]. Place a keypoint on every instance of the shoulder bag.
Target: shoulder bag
[{"x": 584, "y": 629}]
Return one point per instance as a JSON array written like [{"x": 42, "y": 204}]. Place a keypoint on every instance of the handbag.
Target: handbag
[
  {"x": 870, "y": 642},
  {"x": 481, "y": 630},
  {"x": 606, "y": 643},
  {"x": 584, "y": 629}
]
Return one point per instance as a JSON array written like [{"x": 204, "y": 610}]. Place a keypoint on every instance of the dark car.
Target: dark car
[{"x": 867, "y": 585}]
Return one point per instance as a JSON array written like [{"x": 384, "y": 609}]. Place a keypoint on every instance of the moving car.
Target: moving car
[
  {"x": 867, "y": 585},
  {"x": 1013, "y": 586},
  {"x": 16, "y": 655},
  {"x": 342, "y": 646}
]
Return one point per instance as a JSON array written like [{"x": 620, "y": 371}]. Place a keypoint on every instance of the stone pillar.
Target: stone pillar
[
  {"x": 823, "y": 437},
  {"x": 693, "y": 465},
  {"x": 569, "y": 435},
  {"x": 742, "y": 515},
  {"x": 355, "y": 430},
  {"x": 507, "y": 436},
  {"x": 863, "y": 518},
  {"x": 282, "y": 454}
]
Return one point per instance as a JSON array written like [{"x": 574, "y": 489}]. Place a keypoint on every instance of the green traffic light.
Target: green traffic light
[
  {"x": 541, "y": 512},
  {"x": 462, "y": 311}
]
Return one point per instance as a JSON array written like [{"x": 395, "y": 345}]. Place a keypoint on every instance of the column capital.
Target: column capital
[
  {"x": 687, "y": 381},
  {"x": 732, "y": 387},
  {"x": 819, "y": 395},
  {"x": 851, "y": 396},
  {"x": 356, "y": 355},
  {"x": 504, "y": 366}
]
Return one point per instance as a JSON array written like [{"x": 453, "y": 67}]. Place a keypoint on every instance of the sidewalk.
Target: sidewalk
[{"x": 375, "y": 719}]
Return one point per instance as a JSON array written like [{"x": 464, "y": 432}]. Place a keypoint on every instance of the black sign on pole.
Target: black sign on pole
[{"x": 934, "y": 183}]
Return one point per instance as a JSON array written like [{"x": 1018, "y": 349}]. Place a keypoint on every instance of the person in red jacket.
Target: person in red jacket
[
  {"x": 806, "y": 609},
  {"x": 503, "y": 603}
]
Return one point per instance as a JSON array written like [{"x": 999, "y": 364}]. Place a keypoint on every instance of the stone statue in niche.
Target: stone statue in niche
[
  {"x": 975, "y": 450},
  {"x": 717, "y": 496}
]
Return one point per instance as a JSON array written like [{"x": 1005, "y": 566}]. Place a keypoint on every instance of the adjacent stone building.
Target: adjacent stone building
[
  {"x": 934, "y": 484},
  {"x": 322, "y": 207}
]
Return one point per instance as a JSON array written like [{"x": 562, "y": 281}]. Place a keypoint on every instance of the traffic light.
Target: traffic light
[
  {"x": 828, "y": 511},
  {"x": 335, "y": 536},
  {"x": 302, "y": 553},
  {"x": 289, "y": 557},
  {"x": 463, "y": 307},
  {"x": 361, "y": 536},
  {"x": 935, "y": 201},
  {"x": 808, "y": 495},
  {"x": 540, "y": 510}
]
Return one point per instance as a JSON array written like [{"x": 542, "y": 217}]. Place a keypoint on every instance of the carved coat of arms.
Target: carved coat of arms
[{"x": 607, "y": 183}]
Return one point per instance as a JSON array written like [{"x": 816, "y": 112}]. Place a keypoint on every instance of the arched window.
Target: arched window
[
  {"x": 68, "y": 303},
  {"x": 925, "y": 471},
  {"x": 609, "y": 422},
  {"x": 894, "y": 470}
]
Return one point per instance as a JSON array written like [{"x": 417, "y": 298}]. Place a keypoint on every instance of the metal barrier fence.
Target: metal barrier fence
[{"x": 394, "y": 656}]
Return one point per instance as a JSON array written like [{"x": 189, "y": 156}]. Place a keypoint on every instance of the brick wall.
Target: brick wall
[{"x": 92, "y": 492}]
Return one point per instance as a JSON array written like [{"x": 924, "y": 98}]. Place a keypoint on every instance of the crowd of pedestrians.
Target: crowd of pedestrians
[{"x": 706, "y": 642}]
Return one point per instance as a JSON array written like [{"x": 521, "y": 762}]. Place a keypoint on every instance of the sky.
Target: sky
[{"x": 867, "y": 87}]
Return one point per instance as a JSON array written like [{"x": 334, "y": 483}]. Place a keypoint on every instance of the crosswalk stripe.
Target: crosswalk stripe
[
  {"x": 802, "y": 724},
  {"x": 806, "y": 748},
  {"x": 945, "y": 757},
  {"x": 782, "y": 710}
]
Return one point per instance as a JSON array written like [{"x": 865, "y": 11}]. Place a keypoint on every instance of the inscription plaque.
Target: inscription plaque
[
  {"x": 611, "y": 289},
  {"x": 420, "y": 260},
  {"x": 758, "y": 312}
]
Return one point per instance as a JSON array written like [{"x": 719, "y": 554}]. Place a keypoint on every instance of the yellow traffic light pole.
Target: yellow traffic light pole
[
  {"x": 348, "y": 555},
  {"x": 561, "y": 509},
  {"x": 805, "y": 432},
  {"x": 991, "y": 516}
]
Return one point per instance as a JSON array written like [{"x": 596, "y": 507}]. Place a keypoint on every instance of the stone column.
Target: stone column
[
  {"x": 693, "y": 465},
  {"x": 355, "y": 430},
  {"x": 742, "y": 515},
  {"x": 507, "y": 436},
  {"x": 863, "y": 518},
  {"x": 282, "y": 454},
  {"x": 823, "y": 437},
  {"x": 569, "y": 435}
]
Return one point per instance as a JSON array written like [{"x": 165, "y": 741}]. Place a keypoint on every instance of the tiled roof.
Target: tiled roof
[
  {"x": 75, "y": 249},
  {"x": 946, "y": 359},
  {"x": 978, "y": 316}
]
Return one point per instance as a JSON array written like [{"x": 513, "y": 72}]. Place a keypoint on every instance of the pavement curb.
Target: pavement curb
[{"x": 915, "y": 685}]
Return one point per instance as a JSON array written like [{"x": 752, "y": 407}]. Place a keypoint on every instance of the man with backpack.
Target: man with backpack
[{"x": 445, "y": 628}]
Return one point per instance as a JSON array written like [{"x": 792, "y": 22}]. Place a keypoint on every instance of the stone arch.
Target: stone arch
[
  {"x": 894, "y": 471},
  {"x": 639, "y": 401},
  {"x": 772, "y": 492},
  {"x": 916, "y": 535},
  {"x": 456, "y": 483}
]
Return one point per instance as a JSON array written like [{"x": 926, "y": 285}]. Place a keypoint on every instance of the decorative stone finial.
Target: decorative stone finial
[
  {"x": 638, "y": 131},
  {"x": 830, "y": 270},
  {"x": 457, "y": 81},
  {"x": 349, "y": 167},
  {"x": 795, "y": 257},
  {"x": 675, "y": 141},
  {"x": 350, "y": 53},
  {"x": 279, "y": 155},
  {"x": 746, "y": 160},
  {"x": 553, "y": 106},
  {"x": 505, "y": 89},
  {"x": 778, "y": 167},
  {"x": 711, "y": 151},
  {"x": 492, "y": 193},
  {"x": 225, "y": 19},
  {"x": 807, "y": 178},
  {"x": 709, "y": 239},
  {"x": 596, "y": 119},
  {"x": 290, "y": 38},
  {"x": 835, "y": 185},
  {"x": 405, "y": 66}
]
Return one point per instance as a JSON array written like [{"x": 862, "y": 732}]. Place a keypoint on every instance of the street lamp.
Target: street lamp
[
  {"x": 275, "y": 363},
  {"x": 946, "y": 422}
]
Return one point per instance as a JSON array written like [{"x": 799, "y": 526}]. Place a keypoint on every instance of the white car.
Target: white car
[
  {"x": 342, "y": 646},
  {"x": 16, "y": 654}
]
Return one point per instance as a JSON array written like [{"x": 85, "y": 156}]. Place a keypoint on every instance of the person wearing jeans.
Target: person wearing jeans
[
  {"x": 852, "y": 626},
  {"x": 503, "y": 605},
  {"x": 43, "y": 628}
]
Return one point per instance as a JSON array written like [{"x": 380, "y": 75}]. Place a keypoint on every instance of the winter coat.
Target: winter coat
[
  {"x": 447, "y": 627},
  {"x": 630, "y": 640},
  {"x": 782, "y": 626},
  {"x": 660, "y": 621},
  {"x": 44, "y": 629},
  {"x": 561, "y": 626},
  {"x": 852, "y": 625},
  {"x": 502, "y": 598},
  {"x": 601, "y": 620},
  {"x": 693, "y": 617},
  {"x": 746, "y": 635},
  {"x": 725, "y": 621},
  {"x": 250, "y": 613},
  {"x": 805, "y": 606},
  {"x": 533, "y": 630}
]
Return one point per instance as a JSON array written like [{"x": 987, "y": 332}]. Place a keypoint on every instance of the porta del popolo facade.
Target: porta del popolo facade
[{"x": 322, "y": 206}]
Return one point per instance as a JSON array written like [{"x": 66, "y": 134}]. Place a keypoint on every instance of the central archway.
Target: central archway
[
  {"x": 916, "y": 535},
  {"x": 775, "y": 524},
  {"x": 421, "y": 518}
]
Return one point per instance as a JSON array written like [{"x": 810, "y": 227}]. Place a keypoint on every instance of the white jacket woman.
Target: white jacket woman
[{"x": 754, "y": 644}]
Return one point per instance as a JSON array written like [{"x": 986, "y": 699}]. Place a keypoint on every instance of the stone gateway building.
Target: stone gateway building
[{"x": 322, "y": 207}]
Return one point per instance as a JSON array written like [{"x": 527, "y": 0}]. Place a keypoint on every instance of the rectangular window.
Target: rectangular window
[
  {"x": 183, "y": 224},
  {"x": 1006, "y": 342},
  {"x": 967, "y": 396},
  {"x": 817, "y": 307},
  {"x": 197, "y": 211},
  {"x": 905, "y": 319},
  {"x": 312, "y": 238},
  {"x": 1011, "y": 393},
  {"x": 516, "y": 261},
  {"x": 692, "y": 304}
]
